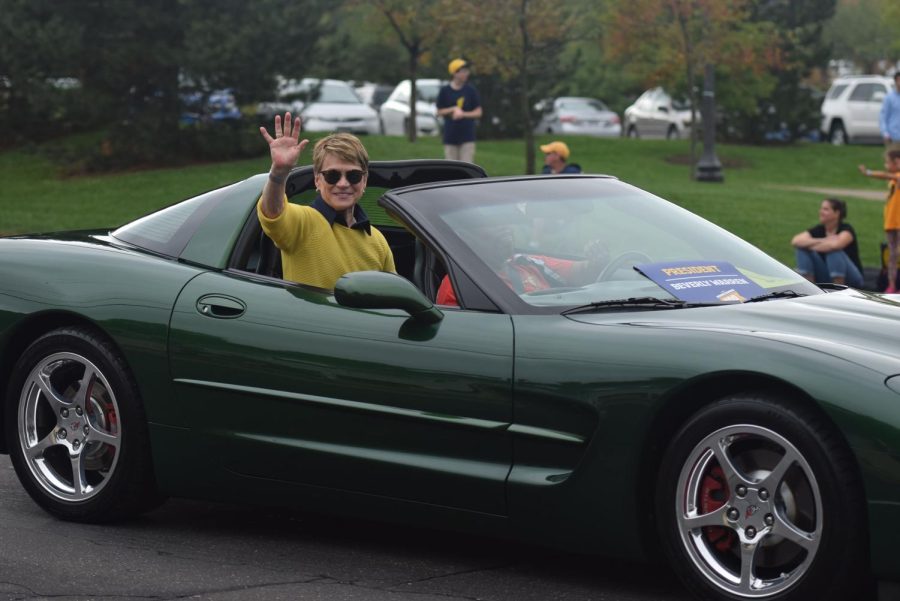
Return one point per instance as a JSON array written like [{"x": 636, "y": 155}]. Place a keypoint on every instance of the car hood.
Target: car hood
[
  {"x": 857, "y": 326},
  {"x": 339, "y": 109}
]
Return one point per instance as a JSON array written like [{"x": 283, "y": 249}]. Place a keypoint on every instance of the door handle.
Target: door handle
[{"x": 220, "y": 306}]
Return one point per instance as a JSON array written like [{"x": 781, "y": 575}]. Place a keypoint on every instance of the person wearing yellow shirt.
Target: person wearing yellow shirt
[{"x": 321, "y": 242}]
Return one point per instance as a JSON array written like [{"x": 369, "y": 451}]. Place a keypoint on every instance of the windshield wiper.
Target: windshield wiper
[
  {"x": 644, "y": 302},
  {"x": 771, "y": 295}
]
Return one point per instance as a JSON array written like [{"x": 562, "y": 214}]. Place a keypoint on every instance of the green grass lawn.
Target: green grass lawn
[{"x": 752, "y": 202}]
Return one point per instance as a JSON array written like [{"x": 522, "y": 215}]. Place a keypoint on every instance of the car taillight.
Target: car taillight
[
  {"x": 615, "y": 119},
  {"x": 567, "y": 119}
]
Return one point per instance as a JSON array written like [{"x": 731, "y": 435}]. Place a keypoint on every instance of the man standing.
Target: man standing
[
  {"x": 459, "y": 104},
  {"x": 890, "y": 116},
  {"x": 555, "y": 156}
]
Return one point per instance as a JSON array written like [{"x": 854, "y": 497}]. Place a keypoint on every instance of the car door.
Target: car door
[
  {"x": 395, "y": 110},
  {"x": 864, "y": 109},
  {"x": 281, "y": 382},
  {"x": 662, "y": 114}
]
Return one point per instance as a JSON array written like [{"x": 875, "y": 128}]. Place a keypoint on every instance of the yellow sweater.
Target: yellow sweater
[{"x": 317, "y": 253}]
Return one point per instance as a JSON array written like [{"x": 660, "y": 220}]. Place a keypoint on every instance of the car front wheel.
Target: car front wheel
[
  {"x": 758, "y": 498},
  {"x": 78, "y": 435}
]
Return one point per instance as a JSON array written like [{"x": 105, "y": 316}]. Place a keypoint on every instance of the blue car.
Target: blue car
[{"x": 220, "y": 106}]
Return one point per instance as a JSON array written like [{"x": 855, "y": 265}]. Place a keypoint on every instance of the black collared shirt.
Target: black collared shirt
[{"x": 362, "y": 220}]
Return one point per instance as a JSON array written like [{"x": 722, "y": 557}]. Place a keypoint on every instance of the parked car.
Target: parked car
[
  {"x": 325, "y": 104},
  {"x": 580, "y": 116},
  {"x": 685, "y": 400},
  {"x": 395, "y": 110},
  {"x": 655, "y": 114},
  {"x": 373, "y": 94},
  {"x": 851, "y": 109},
  {"x": 217, "y": 106}
]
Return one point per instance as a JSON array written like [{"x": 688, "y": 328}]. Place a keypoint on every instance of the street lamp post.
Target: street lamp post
[{"x": 709, "y": 168}]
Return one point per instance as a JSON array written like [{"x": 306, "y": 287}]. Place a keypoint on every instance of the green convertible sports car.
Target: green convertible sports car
[{"x": 569, "y": 360}]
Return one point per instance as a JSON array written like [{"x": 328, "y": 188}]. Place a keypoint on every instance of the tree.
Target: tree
[
  {"x": 519, "y": 42},
  {"x": 37, "y": 45},
  {"x": 793, "y": 103},
  {"x": 417, "y": 25},
  {"x": 245, "y": 45},
  {"x": 131, "y": 59},
  {"x": 669, "y": 42},
  {"x": 865, "y": 32},
  {"x": 362, "y": 47}
]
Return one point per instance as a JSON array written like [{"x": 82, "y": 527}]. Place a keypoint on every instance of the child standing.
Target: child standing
[{"x": 891, "y": 211}]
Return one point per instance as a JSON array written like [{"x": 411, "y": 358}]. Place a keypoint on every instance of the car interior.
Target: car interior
[{"x": 415, "y": 260}]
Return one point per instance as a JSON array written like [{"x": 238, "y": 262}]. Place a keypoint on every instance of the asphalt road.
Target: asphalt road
[{"x": 194, "y": 550}]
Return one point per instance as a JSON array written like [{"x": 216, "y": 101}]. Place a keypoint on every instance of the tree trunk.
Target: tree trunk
[
  {"x": 411, "y": 125},
  {"x": 525, "y": 104}
]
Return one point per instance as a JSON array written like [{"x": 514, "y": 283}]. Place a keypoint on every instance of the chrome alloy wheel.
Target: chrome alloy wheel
[
  {"x": 69, "y": 428},
  {"x": 760, "y": 536}
]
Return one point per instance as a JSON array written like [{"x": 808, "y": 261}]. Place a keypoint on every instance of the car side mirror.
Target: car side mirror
[
  {"x": 381, "y": 290},
  {"x": 663, "y": 109}
]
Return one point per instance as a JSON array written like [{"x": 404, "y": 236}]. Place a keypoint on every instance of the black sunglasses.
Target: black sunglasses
[{"x": 333, "y": 176}]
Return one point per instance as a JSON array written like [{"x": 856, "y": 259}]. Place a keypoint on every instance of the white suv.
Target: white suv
[
  {"x": 395, "y": 110},
  {"x": 851, "y": 108}
]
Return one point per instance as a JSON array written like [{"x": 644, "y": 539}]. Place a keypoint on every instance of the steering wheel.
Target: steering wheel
[{"x": 632, "y": 256}]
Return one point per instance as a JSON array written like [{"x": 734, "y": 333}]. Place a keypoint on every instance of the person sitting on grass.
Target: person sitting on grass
[
  {"x": 891, "y": 211},
  {"x": 828, "y": 252}
]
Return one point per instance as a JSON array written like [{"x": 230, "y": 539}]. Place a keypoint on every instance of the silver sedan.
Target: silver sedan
[{"x": 579, "y": 116}]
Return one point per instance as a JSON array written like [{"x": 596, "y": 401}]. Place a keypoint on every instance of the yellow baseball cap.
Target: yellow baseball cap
[
  {"x": 558, "y": 147},
  {"x": 456, "y": 64}
]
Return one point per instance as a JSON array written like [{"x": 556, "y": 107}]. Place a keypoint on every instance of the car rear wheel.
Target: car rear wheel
[
  {"x": 838, "y": 134},
  {"x": 77, "y": 430},
  {"x": 759, "y": 499}
]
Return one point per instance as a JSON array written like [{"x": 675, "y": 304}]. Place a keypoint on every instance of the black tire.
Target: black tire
[
  {"x": 837, "y": 135},
  {"x": 58, "y": 427},
  {"x": 722, "y": 470}
]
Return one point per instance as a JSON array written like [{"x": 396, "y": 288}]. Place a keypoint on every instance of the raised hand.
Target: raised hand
[{"x": 286, "y": 146}]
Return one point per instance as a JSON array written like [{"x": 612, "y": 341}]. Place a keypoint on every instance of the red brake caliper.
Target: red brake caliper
[{"x": 714, "y": 494}]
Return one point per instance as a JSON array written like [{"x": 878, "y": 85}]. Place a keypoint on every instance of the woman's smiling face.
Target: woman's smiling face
[{"x": 342, "y": 195}]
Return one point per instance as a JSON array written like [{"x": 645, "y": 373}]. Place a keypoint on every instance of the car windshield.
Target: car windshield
[
  {"x": 594, "y": 240},
  {"x": 322, "y": 92},
  {"x": 427, "y": 92},
  {"x": 582, "y": 105},
  {"x": 681, "y": 104}
]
